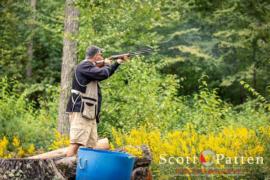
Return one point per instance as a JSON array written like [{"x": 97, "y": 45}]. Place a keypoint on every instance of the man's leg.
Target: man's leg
[
  {"x": 72, "y": 149},
  {"x": 102, "y": 144},
  {"x": 93, "y": 135},
  {"x": 77, "y": 133}
]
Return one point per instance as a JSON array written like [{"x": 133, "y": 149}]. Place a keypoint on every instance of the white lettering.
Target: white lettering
[
  {"x": 259, "y": 160},
  {"x": 195, "y": 159},
  {"x": 162, "y": 160},
  {"x": 250, "y": 160},
  {"x": 228, "y": 160},
  {"x": 171, "y": 160},
  {"x": 235, "y": 160},
  {"x": 219, "y": 157},
  {"x": 187, "y": 158},
  {"x": 182, "y": 160},
  {"x": 242, "y": 160}
]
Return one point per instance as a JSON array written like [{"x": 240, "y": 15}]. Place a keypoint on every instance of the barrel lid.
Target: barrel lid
[{"x": 106, "y": 152}]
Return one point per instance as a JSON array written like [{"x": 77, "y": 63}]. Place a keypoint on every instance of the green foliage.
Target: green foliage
[
  {"x": 19, "y": 117},
  {"x": 17, "y": 29},
  {"x": 138, "y": 95},
  {"x": 209, "y": 113},
  {"x": 12, "y": 36},
  {"x": 117, "y": 25},
  {"x": 208, "y": 109},
  {"x": 226, "y": 40}
]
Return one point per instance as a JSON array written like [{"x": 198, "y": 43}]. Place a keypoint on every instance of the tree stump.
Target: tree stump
[
  {"x": 34, "y": 169},
  {"x": 141, "y": 169}
]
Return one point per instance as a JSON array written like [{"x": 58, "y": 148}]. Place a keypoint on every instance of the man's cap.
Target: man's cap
[{"x": 93, "y": 50}]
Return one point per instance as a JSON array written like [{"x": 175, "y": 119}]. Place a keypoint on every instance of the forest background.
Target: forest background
[{"x": 208, "y": 78}]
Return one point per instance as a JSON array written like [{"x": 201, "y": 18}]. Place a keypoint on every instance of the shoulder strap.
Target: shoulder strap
[{"x": 75, "y": 72}]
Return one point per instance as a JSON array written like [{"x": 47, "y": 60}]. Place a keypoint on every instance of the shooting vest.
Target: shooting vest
[{"x": 90, "y": 101}]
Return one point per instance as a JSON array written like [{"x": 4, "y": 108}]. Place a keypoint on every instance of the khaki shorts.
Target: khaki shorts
[{"x": 82, "y": 131}]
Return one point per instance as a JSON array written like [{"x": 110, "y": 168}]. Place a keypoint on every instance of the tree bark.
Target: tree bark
[
  {"x": 30, "y": 51},
  {"x": 29, "y": 169},
  {"x": 69, "y": 60}
]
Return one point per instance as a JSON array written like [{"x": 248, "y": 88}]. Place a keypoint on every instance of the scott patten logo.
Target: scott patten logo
[{"x": 207, "y": 157}]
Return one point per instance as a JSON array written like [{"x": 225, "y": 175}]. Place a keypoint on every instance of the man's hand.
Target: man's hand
[
  {"x": 108, "y": 61},
  {"x": 122, "y": 60},
  {"x": 125, "y": 58}
]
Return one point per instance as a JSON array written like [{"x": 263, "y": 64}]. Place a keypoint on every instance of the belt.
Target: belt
[
  {"x": 74, "y": 101},
  {"x": 75, "y": 91}
]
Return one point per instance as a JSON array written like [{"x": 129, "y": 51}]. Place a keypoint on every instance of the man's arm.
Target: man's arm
[{"x": 97, "y": 73}]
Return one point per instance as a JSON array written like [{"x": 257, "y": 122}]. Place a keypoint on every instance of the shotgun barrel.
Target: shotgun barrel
[{"x": 131, "y": 54}]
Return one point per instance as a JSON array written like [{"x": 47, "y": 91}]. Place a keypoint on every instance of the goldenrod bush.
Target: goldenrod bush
[
  {"x": 18, "y": 149},
  {"x": 15, "y": 148},
  {"x": 60, "y": 141},
  {"x": 230, "y": 141}
]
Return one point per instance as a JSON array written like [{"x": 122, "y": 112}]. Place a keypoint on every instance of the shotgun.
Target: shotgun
[{"x": 129, "y": 54}]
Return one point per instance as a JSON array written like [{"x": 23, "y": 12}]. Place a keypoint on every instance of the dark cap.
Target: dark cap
[{"x": 92, "y": 51}]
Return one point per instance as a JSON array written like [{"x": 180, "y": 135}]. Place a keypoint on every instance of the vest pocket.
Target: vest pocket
[{"x": 88, "y": 109}]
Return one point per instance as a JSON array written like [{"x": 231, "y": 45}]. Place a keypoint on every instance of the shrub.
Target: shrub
[
  {"x": 139, "y": 95},
  {"x": 14, "y": 148},
  {"x": 188, "y": 143},
  {"x": 19, "y": 116}
]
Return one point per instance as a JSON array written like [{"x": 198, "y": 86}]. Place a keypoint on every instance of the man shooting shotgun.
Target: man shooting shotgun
[{"x": 84, "y": 104}]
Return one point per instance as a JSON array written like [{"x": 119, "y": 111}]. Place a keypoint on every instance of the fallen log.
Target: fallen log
[
  {"x": 51, "y": 154},
  {"x": 59, "y": 167},
  {"x": 101, "y": 144}
]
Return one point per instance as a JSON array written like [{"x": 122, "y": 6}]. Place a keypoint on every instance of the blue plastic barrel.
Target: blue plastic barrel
[{"x": 103, "y": 165}]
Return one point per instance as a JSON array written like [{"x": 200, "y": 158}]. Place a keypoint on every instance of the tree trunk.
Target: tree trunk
[
  {"x": 30, "y": 50},
  {"x": 254, "y": 45},
  {"x": 69, "y": 60}
]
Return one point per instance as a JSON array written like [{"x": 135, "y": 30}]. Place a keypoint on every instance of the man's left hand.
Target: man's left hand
[{"x": 108, "y": 61}]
